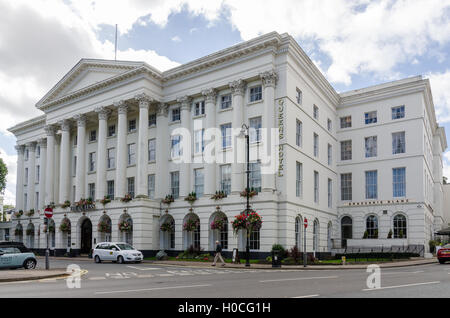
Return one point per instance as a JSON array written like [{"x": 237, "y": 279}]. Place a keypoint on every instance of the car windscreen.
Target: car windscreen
[
  {"x": 9, "y": 250},
  {"x": 125, "y": 247}
]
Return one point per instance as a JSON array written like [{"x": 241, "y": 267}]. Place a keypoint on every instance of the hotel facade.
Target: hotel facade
[{"x": 363, "y": 167}]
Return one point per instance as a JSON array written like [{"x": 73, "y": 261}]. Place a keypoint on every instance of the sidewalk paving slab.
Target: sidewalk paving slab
[{"x": 30, "y": 274}]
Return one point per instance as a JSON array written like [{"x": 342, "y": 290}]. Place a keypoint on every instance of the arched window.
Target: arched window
[
  {"x": 329, "y": 236},
  {"x": 346, "y": 230},
  {"x": 298, "y": 232},
  {"x": 399, "y": 226},
  {"x": 316, "y": 235},
  {"x": 372, "y": 226}
]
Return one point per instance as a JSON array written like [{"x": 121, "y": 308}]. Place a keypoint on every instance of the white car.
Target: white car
[{"x": 116, "y": 252}]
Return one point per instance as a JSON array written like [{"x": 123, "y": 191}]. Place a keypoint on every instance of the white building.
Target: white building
[{"x": 119, "y": 118}]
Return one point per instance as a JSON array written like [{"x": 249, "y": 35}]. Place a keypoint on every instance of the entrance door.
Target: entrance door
[
  {"x": 86, "y": 237},
  {"x": 346, "y": 230}
]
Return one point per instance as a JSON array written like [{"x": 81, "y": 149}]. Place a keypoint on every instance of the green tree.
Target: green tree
[{"x": 3, "y": 174}]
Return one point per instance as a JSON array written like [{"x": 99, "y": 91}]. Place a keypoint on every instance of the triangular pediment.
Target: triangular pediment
[{"x": 86, "y": 73}]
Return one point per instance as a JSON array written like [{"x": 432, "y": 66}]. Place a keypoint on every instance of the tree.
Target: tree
[{"x": 3, "y": 173}]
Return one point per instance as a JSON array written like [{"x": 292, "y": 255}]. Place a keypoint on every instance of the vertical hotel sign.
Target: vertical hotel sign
[{"x": 281, "y": 110}]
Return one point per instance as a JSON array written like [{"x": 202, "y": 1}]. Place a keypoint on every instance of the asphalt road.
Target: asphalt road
[{"x": 148, "y": 280}]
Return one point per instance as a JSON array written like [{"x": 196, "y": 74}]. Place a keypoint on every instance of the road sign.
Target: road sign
[
  {"x": 305, "y": 223},
  {"x": 48, "y": 212}
]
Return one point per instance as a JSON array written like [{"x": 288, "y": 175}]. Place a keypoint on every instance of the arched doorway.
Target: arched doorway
[
  {"x": 66, "y": 230},
  {"x": 51, "y": 232},
  {"x": 346, "y": 230},
  {"x": 104, "y": 228},
  {"x": 126, "y": 228},
  {"x": 167, "y": 232},
  {"x": 18, "y": 233},
  {"x": 30, "y": 235},
  {"x": 86, "y": 236},
  {"x": 218, "y": 230}
]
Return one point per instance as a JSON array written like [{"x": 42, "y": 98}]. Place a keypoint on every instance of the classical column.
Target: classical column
[
  {"x": 20, "y": 170},
  {"x": 43, "y": 172},
  {"x": 49, "y": 176},
  {"x": 185, "y": 168},
  {"x": 64, "y": 161},
  {"x": 121, "y": 150},
  {"x": 142, "y": 149},
  {"x": 100, "y": 188},
  {"x": 210, "y": 168},
  {"x": 237, "y": 169},
  {"x": 31, "y": 175},
  {"x": 268, "y": 79},
  {"x": 80, "y": 176},
  {"x": 162, "y": 152}
]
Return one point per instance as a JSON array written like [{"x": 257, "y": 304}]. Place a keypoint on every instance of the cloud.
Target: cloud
[
  {"x": 440, "y": 84},
  {"x": 11, "y": 163},
  {"x": 176, "y": 38}
]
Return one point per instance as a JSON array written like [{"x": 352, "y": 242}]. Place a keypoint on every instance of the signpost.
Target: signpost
[
  {"x": 48, "y": 212},
  {"x": 305, "y": 224}
]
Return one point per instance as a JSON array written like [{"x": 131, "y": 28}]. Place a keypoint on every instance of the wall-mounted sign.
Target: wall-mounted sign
[{"x": 281, "y": 137}]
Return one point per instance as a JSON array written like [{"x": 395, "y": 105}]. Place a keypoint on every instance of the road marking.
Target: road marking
[
  {"x": 144, "y": 268},
  {"x": 146, "y": 276},
  {"x": 307, "y": 296},
  {"x": 149, "y": 289},
  {"x": 301, "y": 278},
  {"x": 180, "y": 273},
  {"x": 97, "y": 278},
  {"x": 47, "y": 280},
  {"x": 401, "y": 286},
  {"x": 165, "y": 275},
  {"x": 393, "y": 273}
]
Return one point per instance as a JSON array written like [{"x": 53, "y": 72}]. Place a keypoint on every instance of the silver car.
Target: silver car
[{"x": 12, "y": 257}]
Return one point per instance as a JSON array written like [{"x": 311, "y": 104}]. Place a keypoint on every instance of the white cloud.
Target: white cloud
[
  {"x": 176, "y": 38},
  {"x": 440, "y": 84},
  {"x": 11, "y": 163}
]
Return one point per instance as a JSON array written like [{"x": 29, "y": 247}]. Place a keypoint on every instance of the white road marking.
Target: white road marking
[
  {"x": 149, "y": 289},
  {"x": 97, "y": 278},
  {"x": 47, "y": 280},
  {"x": 180, "y": 273},
  {"x": 165, "y": 275},
  {"x": 146, "y": 276},
  {"x": 393, "y": 273},
  {"x": 144, "y": 268},
  {"x": 301, "y": 278},
  {"x": 307, "y": 296},
  {"x": 401, "y": 286}
]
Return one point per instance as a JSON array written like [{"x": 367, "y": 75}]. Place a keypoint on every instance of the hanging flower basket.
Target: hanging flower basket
[
  {"x": 30, "y": 213},
  {"x": 104, "y": 226},
  {"x": 66, "y": 204},
  {"x": 218, "y": 224},
  {"x": 219, "y": 195},
  {"x": 125, "y": 227},
  {"x": 18, "y": 232},
  {"x": 168, "y": 199},
  {"x": 191, "y": 198},
  {"x": 106, "y": 199},
  {"x": 50, "y": 228},
  {"x": 251, "y": 222},
  {"x": 65, "y": 226},
  {"x": 29, "y": 232},
  {"x": 52, "y": 205},
  {"x": 251, "y": 194},
  {"x": 191, "y": 225},
  {"x": 168, "y": 227},
  {"x": 18, "y": 214}
]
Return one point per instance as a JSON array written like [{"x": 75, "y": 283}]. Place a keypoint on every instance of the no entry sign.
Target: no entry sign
[
  {"x": 48, "y": 212},
  {"x": 305, "y": 223}
]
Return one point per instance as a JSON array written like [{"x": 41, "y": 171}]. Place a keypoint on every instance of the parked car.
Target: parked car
[
  {"x": 443, "y": 254},
  {"x": 116, "y": 252},
  {"x": 16, "y": 255}
]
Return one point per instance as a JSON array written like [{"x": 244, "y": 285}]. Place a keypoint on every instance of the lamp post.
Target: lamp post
[{"x": 245, "y": 132}]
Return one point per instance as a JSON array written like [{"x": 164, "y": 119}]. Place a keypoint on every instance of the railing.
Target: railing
[
  {"x": 82, "y": 207},
  {"x": 392, "y": 252}
]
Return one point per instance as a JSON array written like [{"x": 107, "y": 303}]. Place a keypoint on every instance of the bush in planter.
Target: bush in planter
[
  {"x": 295, "y": 254},
  {"x": 432, "y": 245},
  {"x": 66, "y": 204},
  {"x": 400, "y": 234},
  {"x": 280, "y": 249}
]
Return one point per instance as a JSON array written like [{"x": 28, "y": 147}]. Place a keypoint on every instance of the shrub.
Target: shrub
[
  {"x": 295, "y": 254},
  {"x": 280, "y": 249}
]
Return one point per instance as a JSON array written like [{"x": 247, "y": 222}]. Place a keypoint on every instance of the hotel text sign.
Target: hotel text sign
[{"x": 281, "y": 137}]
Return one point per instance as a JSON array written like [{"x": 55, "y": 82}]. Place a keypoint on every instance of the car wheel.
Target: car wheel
[
  {"x": 441, "y": 261},
  {"x": 120, "y": 260},
  {"x": 29, "y": 264},
  {"x": 97, "y": 259}
]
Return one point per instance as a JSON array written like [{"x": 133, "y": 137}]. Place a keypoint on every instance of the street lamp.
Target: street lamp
[{"x": 245, "y": 133}]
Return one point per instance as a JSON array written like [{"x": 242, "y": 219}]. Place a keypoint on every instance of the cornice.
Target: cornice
[{"x": 29, "y": 125}]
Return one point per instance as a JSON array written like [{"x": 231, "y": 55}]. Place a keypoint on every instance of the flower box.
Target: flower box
[
  {"x": 30, "y": 213},
  {"x": 83, "y": 205},
  {"x": 126, "y": 198},
  {"x": 251, "y": 194},
  {"x": 18, "y": 232},
  {"x": 66, "y": 204},
  {"x": 191, "y": 198},
  {"x": 219, "y": 195},
  {"x": 105, "y": 200},
  {"x": 168, "y": 199},
  {"x": 29, "y": 232}
]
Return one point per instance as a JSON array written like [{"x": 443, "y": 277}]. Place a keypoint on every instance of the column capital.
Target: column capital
[
  {"x": 143, "y": 99},
  {"x": 81, "y": 120},
  {"x": 20, "y": 149},
  {"x": 50, "y": 130},
  {"x": 269, "y": 78},
  {"x": 122, "y": 107},
  {"x": 32, "y": 146},
  {"x": 210, "y": 95},
  {"x": 185, "y": 102},
  {"x": 42, "y": 142},
  {"x": 65, "y": 124},
  {"x": 162, "y": 109},
  {"x": 103, "y": 113},
  {"x": 238, "y": 87}
]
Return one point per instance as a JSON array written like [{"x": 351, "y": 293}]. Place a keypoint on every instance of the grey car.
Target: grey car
[{"x": 13, "y": 256}]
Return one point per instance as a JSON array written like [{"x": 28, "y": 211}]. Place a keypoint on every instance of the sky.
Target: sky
[{"x": 355, "y": 43}]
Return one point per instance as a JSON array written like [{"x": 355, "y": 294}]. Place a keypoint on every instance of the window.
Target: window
[
  {"x": 131, "y": 154},
  {"x": 254, "y": 241},
  {"x": 151, "y": 186},
  {"x": 130, "y": 186},
  {"x": 36, "y": 199},
  {"x": 298, "y": 232},
  {"x": 316, "y": 145},
  {"x": 92, "y": 161},
  {"x": 75, "y": 140},
  {"x": 299, "y": 180},
  {"x": 92, "y": 135},
  {"x": 371, "y": 184},
  {"x": 329, "y": 124},
  {"x": 299, "y": 96},
  {"x": 152, "y": 120},
  {"x": 225, "y": 178},
  {"x": 346, "y": 150},
  {"x": 199, "y": 108},
  {"x": 132, "y": 125},
  {"x": 255, "y": 129},
  {"x": 197, "y": 235},
  {"x": 346, "y": 122},
  {"x": 26, "y": 175},
  {"x": 225, "y": 101},
  {"x": 226, "y": 135},
  {"x": 255, "y": 93},
  {"x": 175, "y": 184},
  {"x": 330, "y": 154},
  {"x": 27, "y": 154},
  {"x": 152, "y": 150},
  {"x": 370, "y": 117},
  {"x": 316, "y": 235},
  {"x": 316, "y": 187},
  {"x": 299, "y": 133},
  {"x": 111, "y": 130},
  {"x": 74, "y": 169},
  {"x": 398, "y": 112},
  {"x": 372, "y": 226},
  {"x": 371, "y": 146},
  {"x": 91, "y": 191},
  {"x": 38, "y": 151},
  {"x": 330, "y": 193},
  {"x": 255, "y": 176},
  {"x": 198, "y": 141},
  {"x": 110, "y": 189},
  {"x": 224, "y": 236},
  {"x": 38, "y": 173},
  {"x": 175, "y": 150},
  {"x": 25, "y": 202},
  {"x": 346, "y": 186},
  {"x": 198, "y": 182},
  {"x": 316, "y": 112},
  {"x": 399, "y": 182},
  {"x": 400, "y": 226},
  {"x": 176, "y": 114},
  {"x": 398, "y": 142},
  {"x": 111, "y": 158}
]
